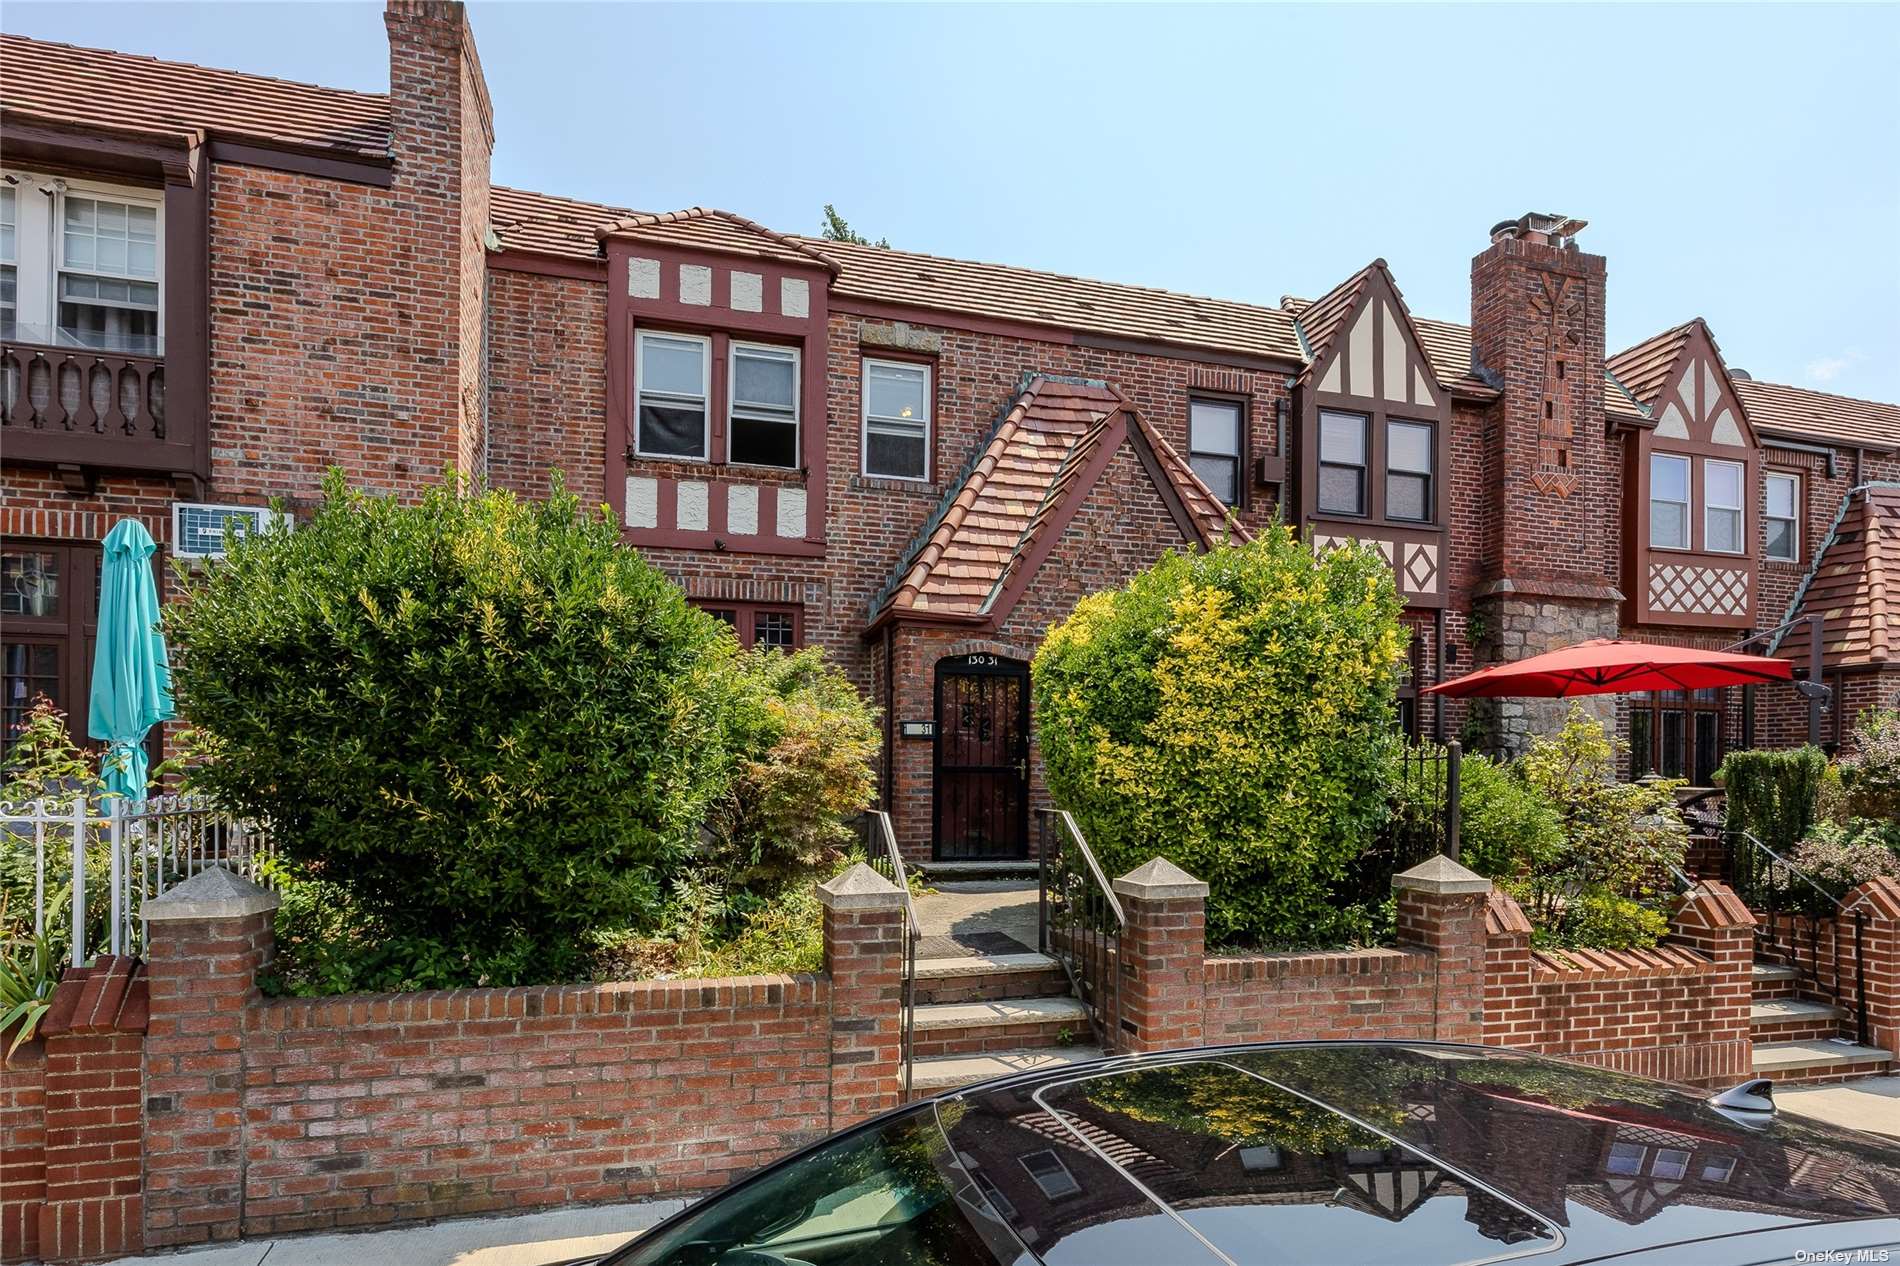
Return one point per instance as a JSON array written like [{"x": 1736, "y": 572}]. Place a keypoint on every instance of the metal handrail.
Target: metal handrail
[
  {"x": 892, "y": 868},
  {"x": 1090, "y": 953},
  {"x": 1792, "y": 869}
]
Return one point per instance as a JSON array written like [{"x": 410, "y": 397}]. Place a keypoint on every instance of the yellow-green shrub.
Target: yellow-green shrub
[{"x": 1231, "y": 711}]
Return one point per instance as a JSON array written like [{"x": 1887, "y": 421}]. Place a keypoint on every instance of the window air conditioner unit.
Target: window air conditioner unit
[{"x": 198, "y": 530}]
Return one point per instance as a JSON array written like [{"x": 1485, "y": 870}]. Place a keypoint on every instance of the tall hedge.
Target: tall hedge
[
  {"x": 1773, "y": 795},
  {"x": 1231, "y": 711},
  {"x": 480, "y": 716}
]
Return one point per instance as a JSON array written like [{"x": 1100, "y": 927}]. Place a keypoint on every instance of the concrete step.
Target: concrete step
[
  {"x": 929, "y": 1076},
  {"x": 978, "y": 870},
  {"x": 1790, "y": 1019},
  {"x": 973, "y": 1028},
  {"x": 988, "y": 978},
  {"x": 1772, "y": 980},
  {"x": 1817, "y": 1060},
  {"x": 1768, "y": 972}
]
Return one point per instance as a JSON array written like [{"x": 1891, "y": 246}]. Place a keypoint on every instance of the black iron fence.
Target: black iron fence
[
  {"x": 1079, "y": 921},
  {"x": 880, "y": 851},
  {"x": 1423, "y": 823}
]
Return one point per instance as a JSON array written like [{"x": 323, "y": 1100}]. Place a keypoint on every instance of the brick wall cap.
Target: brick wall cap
[
  {"x": 1159, "y": 879},
  {"x": 1504, "y": 917},
  {"x": 210, "y": 894},
  {"x": 1440, "y": 875},
  {"x": 860, "y": 888},
  {"x": 1712, "y": 905},
  {"x": 1879, "y": 895}
]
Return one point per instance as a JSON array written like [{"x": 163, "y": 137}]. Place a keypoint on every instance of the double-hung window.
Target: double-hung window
[
  {"x": 108, "y": 274},
  {"x": 1408, "y": 471},
  {"x": 1668, "y": 501},
  {"x": 1722, "y": 506},
  {"x": 1342, "y": 462},
  {"x": 1215, "y": 428},
  {"x": 1784, "y": 517},
  {"x": 671, "y": 391},
  {"x": 896, "y": 420},
  {"x": 9, "y": 261},
  {"x": 763, "y": 421}
]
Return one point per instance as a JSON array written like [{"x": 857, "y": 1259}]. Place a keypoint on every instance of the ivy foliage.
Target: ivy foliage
[
  {"x": 1773, "y": 794},
  {"x": 1232, "y": 712},
  {"x": 480, "y": 716}
]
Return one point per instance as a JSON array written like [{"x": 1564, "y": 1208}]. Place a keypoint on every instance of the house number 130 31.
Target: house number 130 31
[{"x": 980, "y": 661}]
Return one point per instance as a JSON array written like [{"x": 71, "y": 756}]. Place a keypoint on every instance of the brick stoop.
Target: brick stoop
[
  {"x": 1816, "y": 1061},
  {"x": 983, "y": 1017}
]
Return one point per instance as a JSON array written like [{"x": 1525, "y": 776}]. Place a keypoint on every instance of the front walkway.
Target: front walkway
[
  {"x": 1871, "y": 1104},
  {"x": 529, "y": 1239},
  {"x": 966, "y": 918}
]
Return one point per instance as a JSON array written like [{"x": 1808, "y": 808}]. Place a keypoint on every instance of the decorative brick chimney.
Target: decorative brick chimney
[
  {"x": 1550, "y": 540},
  {"x": 443, "y": 134}
]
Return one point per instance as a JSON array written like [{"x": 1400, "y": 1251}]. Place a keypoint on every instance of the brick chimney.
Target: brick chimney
[
  {"x": 443, "y": 133},
  {"x": 1550, "y": 541}
]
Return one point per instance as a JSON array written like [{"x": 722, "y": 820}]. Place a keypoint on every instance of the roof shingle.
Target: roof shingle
[
  {"x": 1854, "y": 585},
  {"x": 96, "y": 86}
]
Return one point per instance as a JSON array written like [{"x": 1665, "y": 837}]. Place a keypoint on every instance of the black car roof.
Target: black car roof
[{"x": 1413, "y": 1154}]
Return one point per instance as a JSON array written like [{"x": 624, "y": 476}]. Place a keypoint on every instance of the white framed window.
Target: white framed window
[
  {"x": 672, "y": 384},
  {"x": 1408, "y": 470},
  {"x": 1626, "y": 1159},
  {"x": 1668, "y": 501},
  {"x": 896, "y": 438},
  {"x": 762, "y": 414},
  {"x": 1784, "y": 516},
  {"x": 1718, "y": 1169},
  {"x": 82, "y": 264},
  {"x": 1051, "y": 1175},
  {"x": 1670, "y": 1162},
  {"x": 1722, "y": 506},
  {"x": 1215, "y": 433}
]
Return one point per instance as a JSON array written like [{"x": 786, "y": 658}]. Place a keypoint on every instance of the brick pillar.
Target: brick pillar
[
  {"x": 1442, "y": 909},
  {"x": 1163, "y": 958},
  {"x": 1879, "y": 901},
  {"x": 864, "y": 956},
  {"x": 1714, "y": 922},
  {"x": 94, "y": 1031},
  {"x": 209, "y": 937},
  {"x": 1507, "y": 971}
]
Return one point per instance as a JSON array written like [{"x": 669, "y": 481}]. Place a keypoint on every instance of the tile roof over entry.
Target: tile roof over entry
[
  {"x": 1020, "y": 485},
  {"x": 1854, "y": 586},
  {"x": 94, "y": 86}
]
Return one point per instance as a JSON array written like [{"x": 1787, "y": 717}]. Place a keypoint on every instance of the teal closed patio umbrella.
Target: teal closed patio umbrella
[{"x": 131, "y": 680}]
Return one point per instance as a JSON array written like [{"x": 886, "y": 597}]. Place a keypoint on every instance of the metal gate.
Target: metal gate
[{"x": 982, "y": 761}]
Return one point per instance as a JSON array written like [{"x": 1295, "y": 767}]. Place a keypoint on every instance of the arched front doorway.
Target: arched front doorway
[{"x": 981, "y": 778}]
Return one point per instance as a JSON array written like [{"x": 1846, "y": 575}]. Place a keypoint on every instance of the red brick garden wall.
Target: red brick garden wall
[
  {"x": 22, "y": 1150},
  {"x": 1374, "y": 993}
]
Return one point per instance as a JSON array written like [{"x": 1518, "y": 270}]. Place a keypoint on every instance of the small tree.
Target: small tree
[
  {"x": 1870, "y": 776},
  {"x": 482, "y": 718},
  {"x": 836, "y": 230},
  {"x": 1231, "y": 711}
]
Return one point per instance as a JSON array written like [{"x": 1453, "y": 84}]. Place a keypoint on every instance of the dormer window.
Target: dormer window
[
  {"x": 672, "y": 384},
  {"x": 764, "y": 414},
  {"x": 1722, "y": 506},
  {"x": 1342, "y": 463},
  {"x": 1668, "y": 501},
  {"x": 1408, "y": 471}
]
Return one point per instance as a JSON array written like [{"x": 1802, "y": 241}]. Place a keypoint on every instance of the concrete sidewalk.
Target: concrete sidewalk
[
  {"x": 1871, "y": 1104},
  {"x": 529, "y": 1239}
]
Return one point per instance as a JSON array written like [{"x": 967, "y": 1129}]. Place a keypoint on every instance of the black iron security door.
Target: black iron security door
[{"x": 982, "y": 764}]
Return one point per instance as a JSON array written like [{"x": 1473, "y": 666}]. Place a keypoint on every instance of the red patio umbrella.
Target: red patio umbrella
[{"x": 1611, "y": 665}]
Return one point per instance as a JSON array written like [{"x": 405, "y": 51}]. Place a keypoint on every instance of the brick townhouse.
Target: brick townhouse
[{"x": 217, "y": 285}]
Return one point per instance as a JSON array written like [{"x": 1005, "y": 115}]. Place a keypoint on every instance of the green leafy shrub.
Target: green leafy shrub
[
  {"x": 1773, "y": 794},
  {"x": 29, "y": 971},
  {"x": 1605, "y": 885},
  {"x": 804, "y": 741},
  {"x": 1507, "y": 827},
  {"x": 480, "y": 717},
  {"x": 43, "y": 763},
  {"x": 1870, "y": 775},
  {"x": 1840, "y": 858},
  {"x": 1231, "y": 711}
]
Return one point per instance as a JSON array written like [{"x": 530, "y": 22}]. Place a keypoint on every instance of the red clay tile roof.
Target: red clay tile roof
[
  {"x": 97, "y": 86},
  {"x": 710, "y": 229},
  {"x": 1798, "y": 412},
  {"x": 1641, "y": 370},
  {"x": 1854, "y": 585},
  {"x": 1319, "y": 320},
  {"x": 547, "y": 225},
  {"x": 1012, "y": 490}
]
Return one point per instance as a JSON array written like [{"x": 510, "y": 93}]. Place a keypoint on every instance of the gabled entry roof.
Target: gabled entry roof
[
  {"x": 1854, "y": 585},
  {"x": 1017, "y": 493}
]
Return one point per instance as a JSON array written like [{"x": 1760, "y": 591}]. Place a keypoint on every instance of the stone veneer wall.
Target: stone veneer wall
[{"x": 1517, "y": 628}]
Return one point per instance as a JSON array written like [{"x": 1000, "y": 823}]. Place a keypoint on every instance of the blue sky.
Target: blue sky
[{"x": 1736, "y": 163}]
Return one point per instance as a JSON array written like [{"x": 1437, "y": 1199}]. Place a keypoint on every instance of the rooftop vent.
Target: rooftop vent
[{"x": 1541, "y": 227}]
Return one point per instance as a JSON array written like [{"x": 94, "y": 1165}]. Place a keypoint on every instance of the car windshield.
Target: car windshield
[{"x": 891, "y": 1195}]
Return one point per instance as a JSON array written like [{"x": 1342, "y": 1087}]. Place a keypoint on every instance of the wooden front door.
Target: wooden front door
[{"x": 982, "y": 765}]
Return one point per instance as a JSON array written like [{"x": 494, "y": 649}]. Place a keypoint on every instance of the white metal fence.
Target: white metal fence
[{"x": 91, "y": 865}]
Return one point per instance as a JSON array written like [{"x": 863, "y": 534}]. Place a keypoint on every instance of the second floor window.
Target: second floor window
[
  {"x": 1342, "y": 463},
  {"x": 764, "y": 412},
  {"x": 1214, "y": 446},
  {"x": 1784, "y": 517},
  {"x": 81, "y": 265},
  {"x": 671, "y": 392},
  {"x": 1408, "y": 471},
  {"x": 896, "y": 419},
  {"x": 1722, "y": 506},
  {"x": 1668, "y": 501}
]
